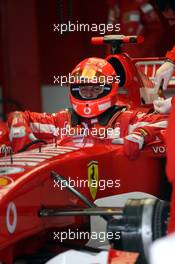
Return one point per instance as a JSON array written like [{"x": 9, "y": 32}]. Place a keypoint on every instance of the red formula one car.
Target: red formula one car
[{"x": 48, "y": 190}]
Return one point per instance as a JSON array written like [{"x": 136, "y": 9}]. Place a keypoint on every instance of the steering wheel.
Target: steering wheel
[{"x": 36, "y": 141}]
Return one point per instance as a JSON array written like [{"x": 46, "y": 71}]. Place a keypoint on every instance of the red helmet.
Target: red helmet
[{"x": 93, "y": 87}]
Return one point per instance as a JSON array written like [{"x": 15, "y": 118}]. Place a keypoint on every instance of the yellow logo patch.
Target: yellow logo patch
[
  {"x": 93, "y": 178},
  {"x": 4, "y": 181}
]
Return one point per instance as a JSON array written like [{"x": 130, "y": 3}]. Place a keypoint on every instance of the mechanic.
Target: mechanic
[
  {"x": 93, "y": 97},
  {"x": 138, "y": 17},
  {"x": 164, "y": 74}
]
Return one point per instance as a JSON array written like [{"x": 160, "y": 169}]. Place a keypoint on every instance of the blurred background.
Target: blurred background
[{"x": 31, "y": 53}]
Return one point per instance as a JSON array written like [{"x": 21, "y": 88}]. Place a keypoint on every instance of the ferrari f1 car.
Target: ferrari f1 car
[{"x": 52, "y": 190}]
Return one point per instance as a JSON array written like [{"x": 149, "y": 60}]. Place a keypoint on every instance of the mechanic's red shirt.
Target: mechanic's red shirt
[{"x": 138, "y": 18}]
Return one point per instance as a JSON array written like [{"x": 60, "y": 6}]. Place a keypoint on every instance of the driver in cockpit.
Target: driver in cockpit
[{"x": 94, "y": 106}]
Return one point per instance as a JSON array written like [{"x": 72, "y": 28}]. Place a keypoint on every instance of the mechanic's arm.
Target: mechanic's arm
[
  {"x": 28, "y": 126},
  {"x": 142, "y": 131},
  {"x": 148, "y": 25},
  {"x": 20, "y": 131}
]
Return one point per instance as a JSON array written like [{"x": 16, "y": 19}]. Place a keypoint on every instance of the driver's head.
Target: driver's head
[
  {"x": 90, "y": 91},
  {"x": 93, "y": 87},
  {"x": 167, "y": 7}
]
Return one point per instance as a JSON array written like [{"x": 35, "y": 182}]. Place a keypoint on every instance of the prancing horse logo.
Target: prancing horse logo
[{"x": 93, "y": 178}]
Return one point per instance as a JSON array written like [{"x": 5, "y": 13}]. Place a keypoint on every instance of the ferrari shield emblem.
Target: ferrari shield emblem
[
  {"x": 4, "y": 181},
  {"x": 93, "y": 178}
]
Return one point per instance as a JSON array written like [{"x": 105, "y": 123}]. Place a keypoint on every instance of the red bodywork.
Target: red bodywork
[{"x": 24, "y": 193}]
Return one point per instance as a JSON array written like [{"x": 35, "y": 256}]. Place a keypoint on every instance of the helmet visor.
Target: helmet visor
[{"x": 90, "y": 92}]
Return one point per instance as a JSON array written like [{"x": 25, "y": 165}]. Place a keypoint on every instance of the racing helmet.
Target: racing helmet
[{"x": 93, "y": 87}]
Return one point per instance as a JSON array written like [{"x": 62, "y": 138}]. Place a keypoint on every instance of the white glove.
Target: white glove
[
  {"x": 164, "y": 73},
  {"x": 162, "y": 106}
]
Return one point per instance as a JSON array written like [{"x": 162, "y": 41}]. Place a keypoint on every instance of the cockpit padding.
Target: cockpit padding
[{"x": 118, "y": 67}]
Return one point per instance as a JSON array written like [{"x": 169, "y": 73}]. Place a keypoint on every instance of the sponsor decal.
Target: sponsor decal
[
  {"x": 87, "y": 110},
  {"x": 9, "y": 170},
  {"x": 93, "y": 178},
  {"x": 4, "y": 181},
  {"x": 11, "y": 217},
  {"x": 104, "y": 106},
  {"x": 159, "y": 149}
]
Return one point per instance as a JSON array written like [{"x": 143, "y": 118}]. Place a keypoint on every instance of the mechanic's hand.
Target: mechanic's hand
[
  {"x": 162, "y": 106},
  {"x": 133, "y": 143},
  {"x": 164, "y": 73}
]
